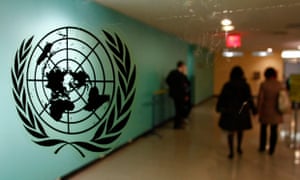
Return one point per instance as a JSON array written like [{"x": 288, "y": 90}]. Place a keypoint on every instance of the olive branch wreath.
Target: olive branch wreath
[{"x": 108, "y": 131}]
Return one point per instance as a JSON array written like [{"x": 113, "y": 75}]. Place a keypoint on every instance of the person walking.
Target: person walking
[
  {"x": 267, "y": 109},
  {"x": 235, "y": 104},
  {"x": 179, "y": 91}
]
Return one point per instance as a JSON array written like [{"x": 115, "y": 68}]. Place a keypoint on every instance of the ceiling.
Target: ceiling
[{"x": 262, "y": 23}]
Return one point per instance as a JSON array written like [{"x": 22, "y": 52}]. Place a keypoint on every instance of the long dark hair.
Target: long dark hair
[{"x": 237, "y": 73}]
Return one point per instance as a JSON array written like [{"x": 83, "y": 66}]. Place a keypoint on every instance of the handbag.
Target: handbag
[{"x": 284, "y": 104}]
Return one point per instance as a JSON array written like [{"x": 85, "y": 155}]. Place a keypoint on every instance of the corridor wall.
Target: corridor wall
[
  {"x": 204, "y": 73},
  {"x": 74, "y": 52},
  {"x": 253, "y": 67}
]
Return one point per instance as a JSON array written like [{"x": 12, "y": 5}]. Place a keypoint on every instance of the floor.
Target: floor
[{"x": 198, "y": 152}]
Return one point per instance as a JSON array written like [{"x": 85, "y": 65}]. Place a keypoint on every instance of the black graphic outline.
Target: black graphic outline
[
  {"x": 67, "y": 38},
  {"x": 106, "y": 132}
]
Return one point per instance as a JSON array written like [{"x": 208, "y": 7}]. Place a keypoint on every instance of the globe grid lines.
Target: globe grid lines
[
  {"x": 80, "y": 64},
  {"x": 107, "y": 132}
]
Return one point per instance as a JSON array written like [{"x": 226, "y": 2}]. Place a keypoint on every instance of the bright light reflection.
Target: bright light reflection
[
  {"x": 297, "y": 154},
  {"x": 297, "y": 157}
]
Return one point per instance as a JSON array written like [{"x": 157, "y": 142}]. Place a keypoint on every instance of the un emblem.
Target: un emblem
[{"x": 73, "y": 89}]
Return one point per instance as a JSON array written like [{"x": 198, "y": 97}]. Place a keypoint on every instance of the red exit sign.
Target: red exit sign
[{"x": 233, "y": 40}]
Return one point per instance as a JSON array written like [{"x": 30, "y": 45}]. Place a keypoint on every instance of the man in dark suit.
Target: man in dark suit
[{"x": 179, "y": 90}]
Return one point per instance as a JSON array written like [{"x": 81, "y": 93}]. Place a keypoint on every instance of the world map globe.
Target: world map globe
[
  {"x": 71, "y": 80},
  {"x": 61, "y": 83}
]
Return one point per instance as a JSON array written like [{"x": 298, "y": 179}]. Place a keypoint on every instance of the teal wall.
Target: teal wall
[
  {"x": 154, "y": 53},
  {"x": 191, "y": 70},
  {"x": 203, "y": 71}
]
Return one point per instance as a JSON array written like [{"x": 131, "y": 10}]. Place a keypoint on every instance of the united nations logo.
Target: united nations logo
[{"x": 73, "y": 89}]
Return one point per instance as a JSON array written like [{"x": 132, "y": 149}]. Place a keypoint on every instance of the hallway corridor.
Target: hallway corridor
[{"x": 198, "y": 152}]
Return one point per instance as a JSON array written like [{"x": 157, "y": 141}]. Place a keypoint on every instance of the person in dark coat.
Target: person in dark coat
[
  {"x": 234, "y": 104},
  {"x": 179, "y": 91}
]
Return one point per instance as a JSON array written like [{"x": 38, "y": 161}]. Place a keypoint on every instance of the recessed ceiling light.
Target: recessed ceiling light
[
  {"x": 226, "y": 22},
  {"x": 269, "y": 50}
]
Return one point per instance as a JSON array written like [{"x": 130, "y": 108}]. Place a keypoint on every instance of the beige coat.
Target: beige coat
[{"x": 267, "y": 102}]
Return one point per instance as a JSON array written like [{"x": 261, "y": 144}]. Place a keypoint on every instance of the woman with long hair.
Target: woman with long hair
[{"x": 234, "y": 104}]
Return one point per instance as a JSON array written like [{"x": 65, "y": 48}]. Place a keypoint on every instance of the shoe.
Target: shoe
[
  {"x": 178, "y": 127},
  {"x": 240, "y": 152},
  {"x": 185, "y": 121},
  {"x": 261, "y": 150},
  {"x": 230, "y": 156}
]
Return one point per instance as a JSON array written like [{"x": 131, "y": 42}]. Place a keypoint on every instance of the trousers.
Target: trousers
[
  {"x": 179, "y": 113},
  {"x": 272, "y": 139}
]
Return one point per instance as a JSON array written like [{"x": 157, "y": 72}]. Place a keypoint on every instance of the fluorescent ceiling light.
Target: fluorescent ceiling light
[
  {"x": 261, "y": 53},
  {"x": 228, "y": 28},
  {"x": 230, "y": 54},
  {"x": 288, "y": 54}
]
